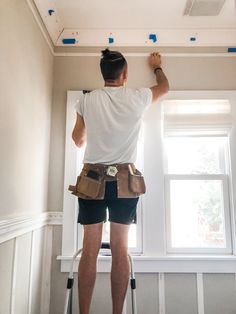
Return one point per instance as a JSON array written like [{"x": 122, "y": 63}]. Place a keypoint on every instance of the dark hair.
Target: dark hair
[{"x": 112, "y": 64}]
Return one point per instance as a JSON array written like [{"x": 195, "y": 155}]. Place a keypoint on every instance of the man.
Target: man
[{"x": 109, "y": 120}]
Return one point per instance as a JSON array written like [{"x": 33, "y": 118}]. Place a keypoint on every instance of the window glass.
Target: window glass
[
  {"x": 195, "y": 155},
  {"x": 197, "y": 213},
  {"x": 132, "y": 235}
]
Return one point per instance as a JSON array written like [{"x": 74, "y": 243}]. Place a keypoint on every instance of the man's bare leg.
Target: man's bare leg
[
  {"x": 87, "y": 265},
  {"x": 120, "y": 265}
]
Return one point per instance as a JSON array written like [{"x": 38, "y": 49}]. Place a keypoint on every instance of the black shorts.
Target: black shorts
[{"x": 121, "y": 210}]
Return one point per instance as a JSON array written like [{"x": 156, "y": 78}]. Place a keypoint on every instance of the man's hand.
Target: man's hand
[{"x": 155, "y": 60}]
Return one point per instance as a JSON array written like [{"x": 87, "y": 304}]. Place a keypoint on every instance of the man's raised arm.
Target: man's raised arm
[{"x": 162, "y": 86}]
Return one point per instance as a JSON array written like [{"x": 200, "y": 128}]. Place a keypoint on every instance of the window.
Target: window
[
  {"x": 197, "y": 193},
  {"x": 196, "y": 176},
  {"x": 188, "y": 155}
]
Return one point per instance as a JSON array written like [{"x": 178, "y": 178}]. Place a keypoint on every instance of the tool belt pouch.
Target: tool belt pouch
[
  {"x": 137, "y": 183},
  {"x": 88, "y": 186}
]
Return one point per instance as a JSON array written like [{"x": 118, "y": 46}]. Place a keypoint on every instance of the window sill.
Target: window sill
[{"x": 165, "y": 264}]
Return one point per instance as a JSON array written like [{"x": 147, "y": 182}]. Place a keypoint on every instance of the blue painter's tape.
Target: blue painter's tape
[
  {"x": 193, "y": 38},
  {"x": 153, "y": 37},
  {"x": 69, "y": 41},
  {"x": 50, "y": 12},
  {"x": 233, "y": 49},
  {"x": 111, "y": 40}
]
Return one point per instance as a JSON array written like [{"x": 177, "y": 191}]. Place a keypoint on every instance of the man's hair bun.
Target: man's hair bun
[{"x": 106, "y": 52}]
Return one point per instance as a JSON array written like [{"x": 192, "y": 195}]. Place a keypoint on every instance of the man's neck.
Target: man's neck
[{"x": 113, "y": 84}]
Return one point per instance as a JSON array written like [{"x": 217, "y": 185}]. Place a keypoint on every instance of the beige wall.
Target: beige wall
[
  {"x": 26, "y": 65},
  {"x": 26, "y": 76}
]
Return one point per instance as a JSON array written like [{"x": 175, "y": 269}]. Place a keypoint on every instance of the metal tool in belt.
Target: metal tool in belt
[{"x": 111, "y": 171}]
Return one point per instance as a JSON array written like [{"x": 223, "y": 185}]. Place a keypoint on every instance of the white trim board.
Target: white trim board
[
  {"x": 165, "y": 264},
  {"x": 134, "y": 38},
  {"x": 141, "y": 37},
  {"x": 31, "y": 271},
  {"x": 162, "y": 302},
  {"x": 46, "y": 271},
  {"x": 200, "y": 293},
  {"x": 14, "y": 226},
  {"x": 145, "y": 54},
  {"x": 13, "y": 280}
]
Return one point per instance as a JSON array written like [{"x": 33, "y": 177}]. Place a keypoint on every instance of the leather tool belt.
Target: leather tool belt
[{"x": 92, "y": 180}]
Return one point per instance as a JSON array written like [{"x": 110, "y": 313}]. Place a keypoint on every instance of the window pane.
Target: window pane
[
  {"x": 132, "y": 234},
  {"x": 195, "y": 155},
  {"x": 196, "y": 106},
  {"x": 197, "y": 213}
]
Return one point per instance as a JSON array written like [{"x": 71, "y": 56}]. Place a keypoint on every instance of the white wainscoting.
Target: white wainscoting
[
  {"x": 14, "y": 226},
  {"x": 28, "y": 228}
]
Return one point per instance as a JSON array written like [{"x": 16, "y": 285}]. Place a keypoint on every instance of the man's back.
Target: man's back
[{"x": 112, "y": 116}]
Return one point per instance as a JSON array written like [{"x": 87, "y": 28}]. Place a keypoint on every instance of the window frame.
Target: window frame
[
  {"x": 155, "y": 255},
  {"x": 223, "y": 177}
]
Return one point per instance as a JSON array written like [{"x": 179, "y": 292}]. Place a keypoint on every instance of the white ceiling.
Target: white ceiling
[
  {"x": 139, "y": 14},
  {"x": 131, "y": 21}
]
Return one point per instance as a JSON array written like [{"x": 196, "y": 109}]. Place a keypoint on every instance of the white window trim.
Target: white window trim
[
  {"x": 154, "y": 233},
  {"x": 69, "y": 234},
  {"x": 166, "y": 264}
]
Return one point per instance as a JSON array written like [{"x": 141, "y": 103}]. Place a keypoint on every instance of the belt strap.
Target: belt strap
[{"x": 102, "y": 167}]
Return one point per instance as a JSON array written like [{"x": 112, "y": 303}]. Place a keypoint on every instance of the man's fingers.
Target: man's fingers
[{"x": 155, "y": 54}]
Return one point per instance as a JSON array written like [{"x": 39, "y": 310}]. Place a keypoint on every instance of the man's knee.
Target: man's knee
[
  {"x": 92, "y": 240},
  {"x": 119, "y": 235}
]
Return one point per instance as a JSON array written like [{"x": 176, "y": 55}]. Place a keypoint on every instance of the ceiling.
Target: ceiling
[
  {"x": 138, "y": 14},
  {"x": 92, "y": 23}
]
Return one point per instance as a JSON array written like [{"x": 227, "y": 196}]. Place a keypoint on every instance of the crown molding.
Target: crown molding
[
  {"x": 152, "y": 38},
  {"x": 138, "y": 39},
  {"x": 41, "y": 25},
  {"x": 139, "y": 54}
]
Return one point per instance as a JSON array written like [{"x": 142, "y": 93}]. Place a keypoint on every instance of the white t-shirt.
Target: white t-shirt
[{"x": 112, "y": 117}]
